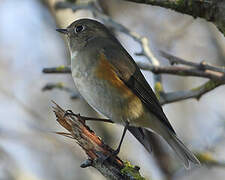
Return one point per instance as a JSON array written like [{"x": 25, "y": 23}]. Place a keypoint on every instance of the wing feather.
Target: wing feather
[{"x": 128, "y": 71}]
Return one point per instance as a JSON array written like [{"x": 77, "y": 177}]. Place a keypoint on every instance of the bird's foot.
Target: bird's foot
[{"x": 69, "y": 113}]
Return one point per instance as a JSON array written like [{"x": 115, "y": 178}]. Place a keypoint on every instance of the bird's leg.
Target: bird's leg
[
  {"x": 121, "y": 140},
  {"x": 103, "y": 158}
]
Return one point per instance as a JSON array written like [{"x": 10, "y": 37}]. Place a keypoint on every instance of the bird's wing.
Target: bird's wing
[{"x": 128, "y": 71}]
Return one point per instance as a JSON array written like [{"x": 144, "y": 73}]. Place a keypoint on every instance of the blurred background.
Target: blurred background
[{"x": 28, "y": 43}]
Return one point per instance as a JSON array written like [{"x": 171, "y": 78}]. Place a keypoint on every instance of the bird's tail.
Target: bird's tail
[{"x": 184, "y": 154}]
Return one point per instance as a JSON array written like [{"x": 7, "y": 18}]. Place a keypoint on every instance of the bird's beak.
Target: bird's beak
[{"x": 63, "y": 31}]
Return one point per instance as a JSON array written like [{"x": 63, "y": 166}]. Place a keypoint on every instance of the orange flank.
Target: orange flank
[{"x": 107, "y": 71}]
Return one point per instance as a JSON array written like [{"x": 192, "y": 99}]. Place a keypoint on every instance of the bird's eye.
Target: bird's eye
[{"x": 79, "y": 28}]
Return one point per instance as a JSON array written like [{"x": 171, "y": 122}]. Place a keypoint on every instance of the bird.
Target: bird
[{"x": 108, "y": 78}]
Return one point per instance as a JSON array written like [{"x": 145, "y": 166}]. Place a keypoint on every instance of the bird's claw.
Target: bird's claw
[{"x": 69, "y": 113}]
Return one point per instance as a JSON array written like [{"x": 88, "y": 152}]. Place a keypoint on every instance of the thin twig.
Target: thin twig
[
  {"x": 196, "y": 93},
  {"x": 183, "y": 71},
  {"x": 202, "y": 65},
  {"x": 61, "y": 86},
  {"x": 59, "y": 69}
]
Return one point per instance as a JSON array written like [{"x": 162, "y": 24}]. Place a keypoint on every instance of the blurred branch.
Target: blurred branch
[
  {"x": 208, "y": 160},
  {"x": 211, "y": 10},
  {"x": 94, "y": 147},
  {"x": 61, "y": 86},
  {"x": 182, "y": 71},
  {"x": 59, "y": 69},
  {"x": 214, "y": 73},
  {"x": 202, "y": 66},
  {"x": 196, "y": 92}
]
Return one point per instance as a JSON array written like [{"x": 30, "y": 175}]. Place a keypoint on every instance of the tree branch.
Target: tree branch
[
  {"x": 202, "y": 66},
  {"x": 211, "y": 10},
  {"x": 183, "y": 71},
  {"x": 94, "y": 147},
  {"x": 59, "y": 69},
  {"x": 61, "y": 86},
  {"x": 196, "y": 93}
]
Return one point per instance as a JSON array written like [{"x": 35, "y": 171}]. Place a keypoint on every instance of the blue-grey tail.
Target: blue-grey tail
[{"x": 184, "y": 154}]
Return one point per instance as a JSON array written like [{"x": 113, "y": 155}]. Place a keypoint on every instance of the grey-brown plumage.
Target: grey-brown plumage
[{"x": 111, "y": 82}]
